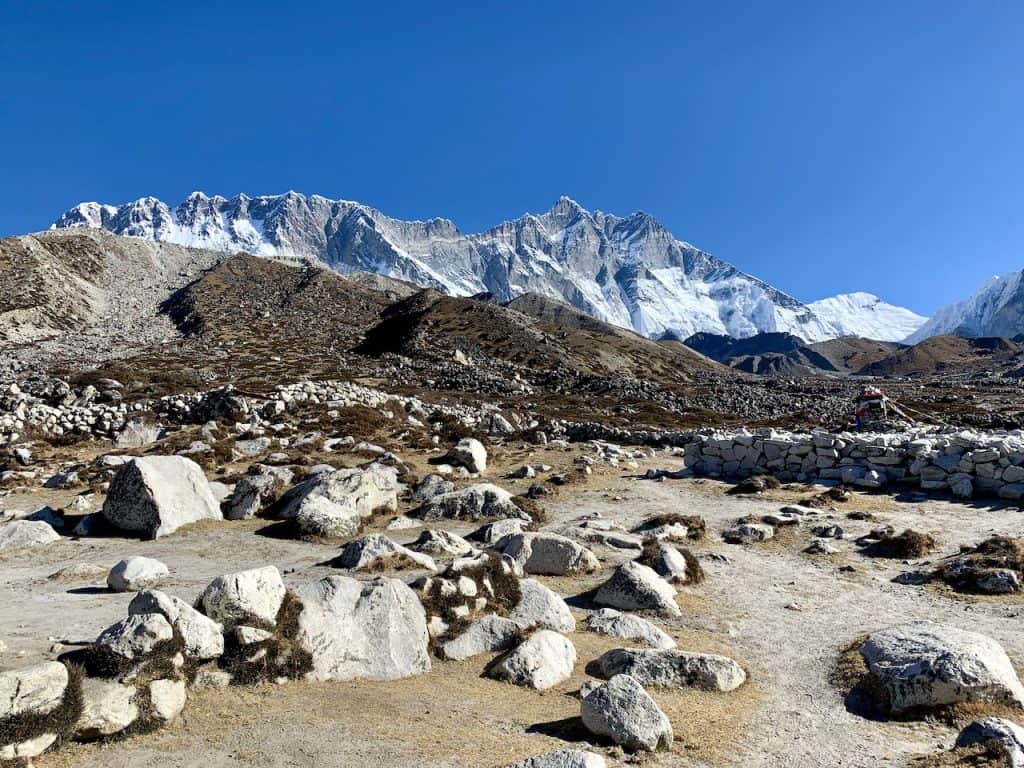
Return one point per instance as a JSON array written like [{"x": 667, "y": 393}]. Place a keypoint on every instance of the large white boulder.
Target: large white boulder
[
  {"x": 336, "y": 503},
  {"x": 608, "y": 621},
  {"x": 541, "y": 661},
  {"x": 673, "y": 669},
  {"x": 135, "y": 573},
  {"x": 108, "y": 707},
  {"x": 548, "y": 554},
  {"x": 538, "y": 606},
  {"x": 156, "y": 495},
  {"x": 924, "y": 664},
  {"x": 622, "y": 711},
  {"x": 26, "y": 533},
  {"x": 252, "y": 596},
  {"x": 377, "y": 551},
  {"x": 475, "y": 502},
  {"x": 203, "y": 637},
  {"x": 373, "y": 630},
  {"x": 469, "y": 453},
  {"x": 635, "y": 587}
]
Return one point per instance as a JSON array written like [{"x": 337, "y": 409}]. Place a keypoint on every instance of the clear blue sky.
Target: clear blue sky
[{"x": 825, "y": 147}]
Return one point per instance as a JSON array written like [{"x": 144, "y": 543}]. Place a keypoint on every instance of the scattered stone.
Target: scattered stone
[
  {"x": 563, "y": 758},
  {"x": 538, "y": 606},
  {"x": 548, "y": 554},
  {"x": 202, "y": 636},
  {"x": 608, "y": 621},
  {"x": 136, "y": 573},
  {"x": 336, "y": 503},
  {"x": 1005, "y": 733},
  {"x": 378, "y": 552},
  {"x": 635, "y": 587},
  {"x": 485, "y": 635},
  {"x": 475, "y": 502},
  {"x": 135, "y": 636},
  {"x": 166, "y": 699},
  {"x": 622, "y": 711},
  {"x": 108, "y": 707},
  {"x": 543, "y": 660},
  {"x": 439, "y": 542},
  {"x": 492, "y": 533},
  {"x": 26, "y": 533},
  {"x": 469, "y": 453},
  {"x": 748, "y": 533},
  {"x": 673, "y": 668}
]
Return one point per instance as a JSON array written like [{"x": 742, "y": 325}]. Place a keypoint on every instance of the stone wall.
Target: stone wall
[{"x": 966, "y": 463}]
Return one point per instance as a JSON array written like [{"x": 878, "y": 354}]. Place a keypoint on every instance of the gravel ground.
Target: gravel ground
[{"x": 783, "y": 614}]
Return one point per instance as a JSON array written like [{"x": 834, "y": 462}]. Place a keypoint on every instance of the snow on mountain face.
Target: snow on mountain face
[
  {"x": 866, "y": 315},
  {"x": 629, "y": 271},
  {"x": 995, "y": 309}
]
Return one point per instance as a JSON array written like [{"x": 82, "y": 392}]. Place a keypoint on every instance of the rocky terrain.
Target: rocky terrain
[{"x": 256, "y": 512}]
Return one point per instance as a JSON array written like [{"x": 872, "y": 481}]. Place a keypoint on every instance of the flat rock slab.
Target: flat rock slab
[
  {"x": 673, "y": 668},
  {"x": 925, "y": 664}
]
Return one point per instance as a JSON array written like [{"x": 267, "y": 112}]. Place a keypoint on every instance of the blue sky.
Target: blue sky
[{"x": 825, "y": 147}]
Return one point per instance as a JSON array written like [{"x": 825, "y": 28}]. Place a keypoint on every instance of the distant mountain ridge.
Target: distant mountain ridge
[
  {"x": 629, "y": 271},
  {"x": 995, "y": 309}
]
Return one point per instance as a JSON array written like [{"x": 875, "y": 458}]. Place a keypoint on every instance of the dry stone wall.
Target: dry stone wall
[{"x": 965, "y": 463}]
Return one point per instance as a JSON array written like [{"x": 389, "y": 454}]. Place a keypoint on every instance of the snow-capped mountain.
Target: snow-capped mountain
[
  {"x": 866, "y": 315},
  {"x": 629, "y": 271},
  {"x": 995, "y": 309}
]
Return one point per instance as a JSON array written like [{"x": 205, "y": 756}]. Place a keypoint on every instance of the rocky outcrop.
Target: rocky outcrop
[{"x": 362, "y": 630}]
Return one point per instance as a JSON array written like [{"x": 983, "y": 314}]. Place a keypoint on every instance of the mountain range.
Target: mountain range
[{"x": 629, "y": 271}]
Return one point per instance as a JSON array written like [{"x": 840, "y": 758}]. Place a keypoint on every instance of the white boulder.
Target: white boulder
[
  {"x": 252, "y": 596},
  {"x": 924, "y": 664},
  {"x": 156, "y": 495},
  {"x": 608, "y": 621},
  {"x": 373, "y": 630},
  {"x": 548, "y": 554},
  {"x": 203, "y": 637},
  {"x": 538, "y": 606},
  {"x": 469, "y": 453},
  {"x": 26, "y": 533},
  {"x": 543, "y": 660},
  {"x": 135, "y": 573},
  {"x": 622, "y": 711},
  {"x": 635, "y": 587}
]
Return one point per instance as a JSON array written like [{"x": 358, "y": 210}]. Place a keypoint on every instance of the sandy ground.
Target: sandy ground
[{"x": 783, "y": 614}]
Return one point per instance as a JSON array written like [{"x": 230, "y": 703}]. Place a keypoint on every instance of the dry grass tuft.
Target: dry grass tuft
[
  {"x": 280, "y": 656},
  {"x": 695, "y": 524},
  {"x": 908, "y": 545}
]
